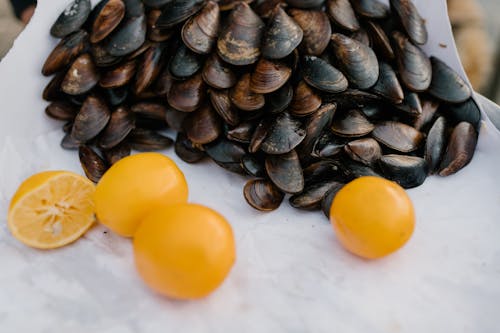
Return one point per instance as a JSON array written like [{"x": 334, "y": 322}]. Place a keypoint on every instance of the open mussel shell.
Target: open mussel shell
[
  {"x": 285, "y": 134},
  {"x": 306, "y": 4},
  {"x": 282, "y": 36},
  {"x": 398, "y": 136},
  {"x": 187, "y": 150},
  {"x": 316, "y": 28},
  {"x": 413, "y": 64},
  {"x": 323, "y": 76},
  {"x": 435, "y": 144},
  {"x": 269, "y": 76},
  {"x": 312, "y": 196},
  {"x": 187, "y": 95},
  {"x": 407, "y": 171},
  {"x": 366, "y": 151},
  {"x": 243, "y": 132},
  {"x": 411, "y": 20},
  {"x": 424, "y": 120},
  {"x": 243, "y": 97},
  {"x": 460, "y": 149},
  {"x": 239, "y": 41},
  {"x": 352, "y": 123},
  {"x": 223, "y": 106},
  {"x": 118, "y": 152},
  {"x": 185, "y": 63},
  {"x": 127, "y": 37},
  {"x": 148, "y": 140},
  {"x": 148, "y": 68},
  {"x": 119, "y": 75},
  {"x": 253, "y": 165},
  {"x": 262, "y": 195},
  {"x": 328, "y": 145},
  {"x": 218, "y": 74},
  {"x": 381, "y": 42},
  {"x": 305, "y": 101},
  {"x": 411, "y": 104},
  {"x": 65, "y": 52},
  {"x": 356, "y": 60},
  {"x": 342, "y": 14},
  {"x": 203, "y": 125},
  {"x": 446, "y": 84},
  {"x": 200, "y": 32},
  {"x": 120, "y": 124},
  {"x": 467, "y": 111},
  {"x": 177, "y": 11},
  {"x": 227, "y": 154},
  {"x": 91, "y": 119},
  {"x": 108, "y": 18},
  {"x": 93, "y": 165},
  {"x": 71, "y": 19},
  {"x": 61, "y": 110},
  {"x": 370, "y": 8},
  {"x": 388, "y": 85},
  {"x": 285, "y": 172},
  {"x": 314, "y": 126},
  {"x": 81, "y": 77}
]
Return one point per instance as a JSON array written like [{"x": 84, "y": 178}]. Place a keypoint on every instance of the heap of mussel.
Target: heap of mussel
[{"x": 301, "y": 95}]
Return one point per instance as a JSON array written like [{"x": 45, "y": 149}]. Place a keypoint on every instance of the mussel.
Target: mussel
[
  {"x": 282, "y": 36},
  {"x": 285, "y": 172},
  {"x": 71, "y": 19},
  {"x": 91, "y": 119},
  {"x": 285, "y": 134},
  {"x": 342, "y": 14},
  {"x": 81, "y": 77},
  {"x": 398, "y": 136},
  {"x": 262, "y": 195},
  {"x": 407, "y": 171},
  {"x": 200, "y": 32},
  {"x": 460, "y": 149},
  {"x": 176, "y": 11},
  {"x": 65, "y": 52},
  {"x": 323, "y": 76},
  {"x": 316, "y": 30}
]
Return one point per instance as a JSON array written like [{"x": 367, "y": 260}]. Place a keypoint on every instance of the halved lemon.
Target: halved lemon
[{"x": 51, "y": 209}]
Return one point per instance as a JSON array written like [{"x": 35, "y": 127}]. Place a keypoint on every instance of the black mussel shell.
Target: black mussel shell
[
  {"x": 436, "y": 144},
  {"x": 370, "y": 8},
  {"x": 177, "y": 11},
  {"x": 118, "y": 152},
  {"x": 127, "y": 37},
  {"x": 93, "y": 165},
  {"x": 413, "y": 64},
  {"x": 312, "y": 196},
  {"x": 253, "y": 165},
  {"x": 279, "y": 100},
  {"x": 424, "y": 119},
  {"x": 116, "y": 96},
  {"x": 398, "y": 136},
  {"x": 200, "y": 32},
  {"x": 91, "y": 119},
  {"x": 185, "y": 63},
  {"x": 120, "y": 124},
  {"x": 81, "y": 77},
  {"x": 227, "y": 154},
  {"x": 187, "y": 95},
  {"x": 268, "y": 76},
  {"x": 285, "y": 134},
  {"x": 305, "y": 100},
  {"x": 243, "y": 97},
  {"x": 411, "y": 104},
  {"x": 118, "y": 76},
  {"x": 148, "y": 140},
  {"x": 218, "y": 74},
  {"x": 460, "y": 150},
  {"x": 222, "y": 104},
  {"x": 243, "y": 132},
  {"x": 316, "y": 28},
  {"x": 282, "y": 36},
  {"x": 351, "y": 123},
  {"x": 342, "y": 14},
  {"x": 411, "y": 20},
  {"x": 388, "y": 85},
  {"x": 446, "y": 84},
  {"x": 203, "y": 125},
  {"x": 61, "y": 110},
  {"x": 314, "y": 126},
  {"x": 71, "y": 19},
  {"x": 323, "y": 76},
  {"x": 108, "y": 18},
  {"x": 366, "y": 151},
  {"x": 467, "y": 111},
  {"x": 69, "y": 143},
  {"x": 356, "y": 60},
  {"x": 175, "y": 119},
  {"x": 260, "y": 134},
  {"x": 326, "y": 202},
  {"x": 381, "y": 42},
  {"x": 148, "y": 68},
  {"x": 285, "y": 172},
  {"x": 187, "y": 150},
  {"x": 407, "y": 171},
  {"x": 262, "y": 195},
  {"x": 65, "y": 52},
  {"x": 328, "y": 145}
]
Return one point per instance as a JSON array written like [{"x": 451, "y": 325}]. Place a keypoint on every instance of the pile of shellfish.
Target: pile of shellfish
[{"x": 301, "y": 95}]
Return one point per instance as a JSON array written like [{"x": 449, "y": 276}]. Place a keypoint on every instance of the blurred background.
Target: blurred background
[{"x": 474, "y": 22}]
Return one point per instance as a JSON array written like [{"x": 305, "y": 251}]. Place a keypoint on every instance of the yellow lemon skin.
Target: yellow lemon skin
[
  {"x": 134, "y": 186},
  {"x": 372, "y": 217}
]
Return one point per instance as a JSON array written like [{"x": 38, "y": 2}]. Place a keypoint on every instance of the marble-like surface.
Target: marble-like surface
[{"x": 291, "y": 275}]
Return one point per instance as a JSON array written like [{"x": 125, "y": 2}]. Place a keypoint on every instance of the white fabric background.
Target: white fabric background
[{"x": 291, "y": 275}]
